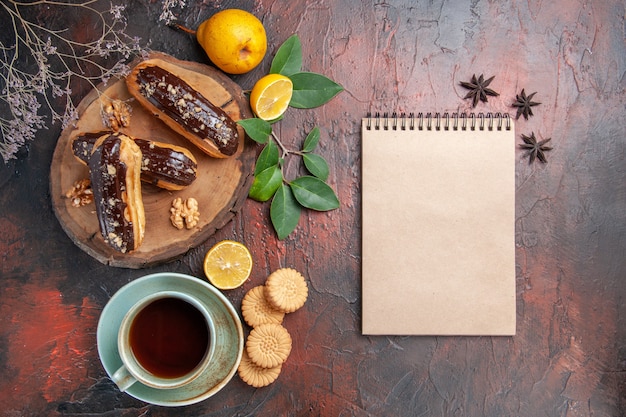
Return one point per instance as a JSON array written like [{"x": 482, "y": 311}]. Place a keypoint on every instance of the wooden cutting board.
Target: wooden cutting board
[{"x": 221, "y": 186}]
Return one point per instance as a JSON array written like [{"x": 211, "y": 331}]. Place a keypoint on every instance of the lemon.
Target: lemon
[
  {"x": 228, "y": 264},
  {"x": 270, "y": 96},
  {"x": 234, "y": 40}
]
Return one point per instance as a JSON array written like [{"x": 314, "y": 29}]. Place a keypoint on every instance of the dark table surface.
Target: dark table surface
[{"x": 568, "y": 357}]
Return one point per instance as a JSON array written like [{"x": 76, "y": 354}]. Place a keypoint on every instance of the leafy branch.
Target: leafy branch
[
  {"x": 308, "y": 191},
  {"x": 40, "y": 64}
]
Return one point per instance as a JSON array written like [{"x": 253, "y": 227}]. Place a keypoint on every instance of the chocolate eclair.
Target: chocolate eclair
[
  {"x": 82, "y": 144},
  {"x": 183, "y": 108},
  {"x": 115, "y": 168},
  {"x": 165, "y": 165}
]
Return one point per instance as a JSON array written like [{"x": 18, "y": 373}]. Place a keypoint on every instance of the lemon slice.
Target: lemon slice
[
  {"x": 228, "y": 264},
  {"x": 270, "y": 96}
]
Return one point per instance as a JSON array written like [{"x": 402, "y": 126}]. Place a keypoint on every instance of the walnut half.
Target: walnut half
[
  {"x": 192, "y": 213},
  {"x": 81, "y": 193},
  {"x": 116, "y": 113},
  {"x": 184, "y": 213}
]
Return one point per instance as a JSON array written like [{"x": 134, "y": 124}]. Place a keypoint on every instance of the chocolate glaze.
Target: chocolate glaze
[
  {"x": 82, "y": 145},
  {"x": 165, "y": 165},
  {"x": 178, "y": 100},
  {"x": 160, "y": 165},
  {"x": 108, "y": 180}
]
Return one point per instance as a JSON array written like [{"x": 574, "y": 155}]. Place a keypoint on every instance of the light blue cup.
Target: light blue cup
[{"x": 222, "y": 360}]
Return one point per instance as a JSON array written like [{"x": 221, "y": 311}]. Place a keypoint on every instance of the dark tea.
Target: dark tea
[{"x": 169, "y": 337}]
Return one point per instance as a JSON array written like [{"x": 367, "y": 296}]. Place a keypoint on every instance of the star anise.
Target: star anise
[
  {"x": 478, "y": 89},
  {"x": 535, "y": 149},
  {"x": 524, "y": 104}
]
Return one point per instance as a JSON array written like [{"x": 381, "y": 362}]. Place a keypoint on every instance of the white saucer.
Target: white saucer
[{"x": 229, "y": 337}]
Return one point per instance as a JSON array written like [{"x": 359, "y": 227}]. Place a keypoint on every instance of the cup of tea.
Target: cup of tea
[{"x": 166, "y": 340}]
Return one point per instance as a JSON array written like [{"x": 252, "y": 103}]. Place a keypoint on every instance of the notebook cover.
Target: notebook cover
[{"x": 438, "y": 244}]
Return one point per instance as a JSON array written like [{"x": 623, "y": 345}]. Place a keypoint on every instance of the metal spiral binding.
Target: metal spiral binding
[{"x": 438, "y": 121}]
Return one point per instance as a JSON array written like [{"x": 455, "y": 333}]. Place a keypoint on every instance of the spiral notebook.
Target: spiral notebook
[{"x": 438, "y": 209}]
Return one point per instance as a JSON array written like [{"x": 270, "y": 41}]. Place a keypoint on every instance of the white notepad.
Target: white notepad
[{"x": 438, "y": 210}]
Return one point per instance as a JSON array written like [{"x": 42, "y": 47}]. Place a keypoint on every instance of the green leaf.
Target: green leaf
[
  {"x": 267, "y": 158},
  {"x": 257, "y": 129},
  {"x": 288, "y": 58},
  {"x": 312, "y": 90},
  {"x": 314, "y": 193},
  {"x": 266, "y": 183},
  {"x": 316, "y": 165},
  {"x": 312, "y": 139},
  {"x": 284, "y": 212}
]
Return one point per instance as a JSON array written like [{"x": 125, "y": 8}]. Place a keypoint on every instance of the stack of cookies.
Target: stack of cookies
[{"x": 269, "y": 343}]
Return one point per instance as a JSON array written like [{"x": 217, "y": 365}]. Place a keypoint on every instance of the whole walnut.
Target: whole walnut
[{"x": 184, "y": 213}]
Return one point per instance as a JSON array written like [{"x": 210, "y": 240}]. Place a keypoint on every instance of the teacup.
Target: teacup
[{"x": 166, "y": 340}]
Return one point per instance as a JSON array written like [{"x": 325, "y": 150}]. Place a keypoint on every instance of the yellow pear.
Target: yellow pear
[{"x": 234, "y": 39}]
